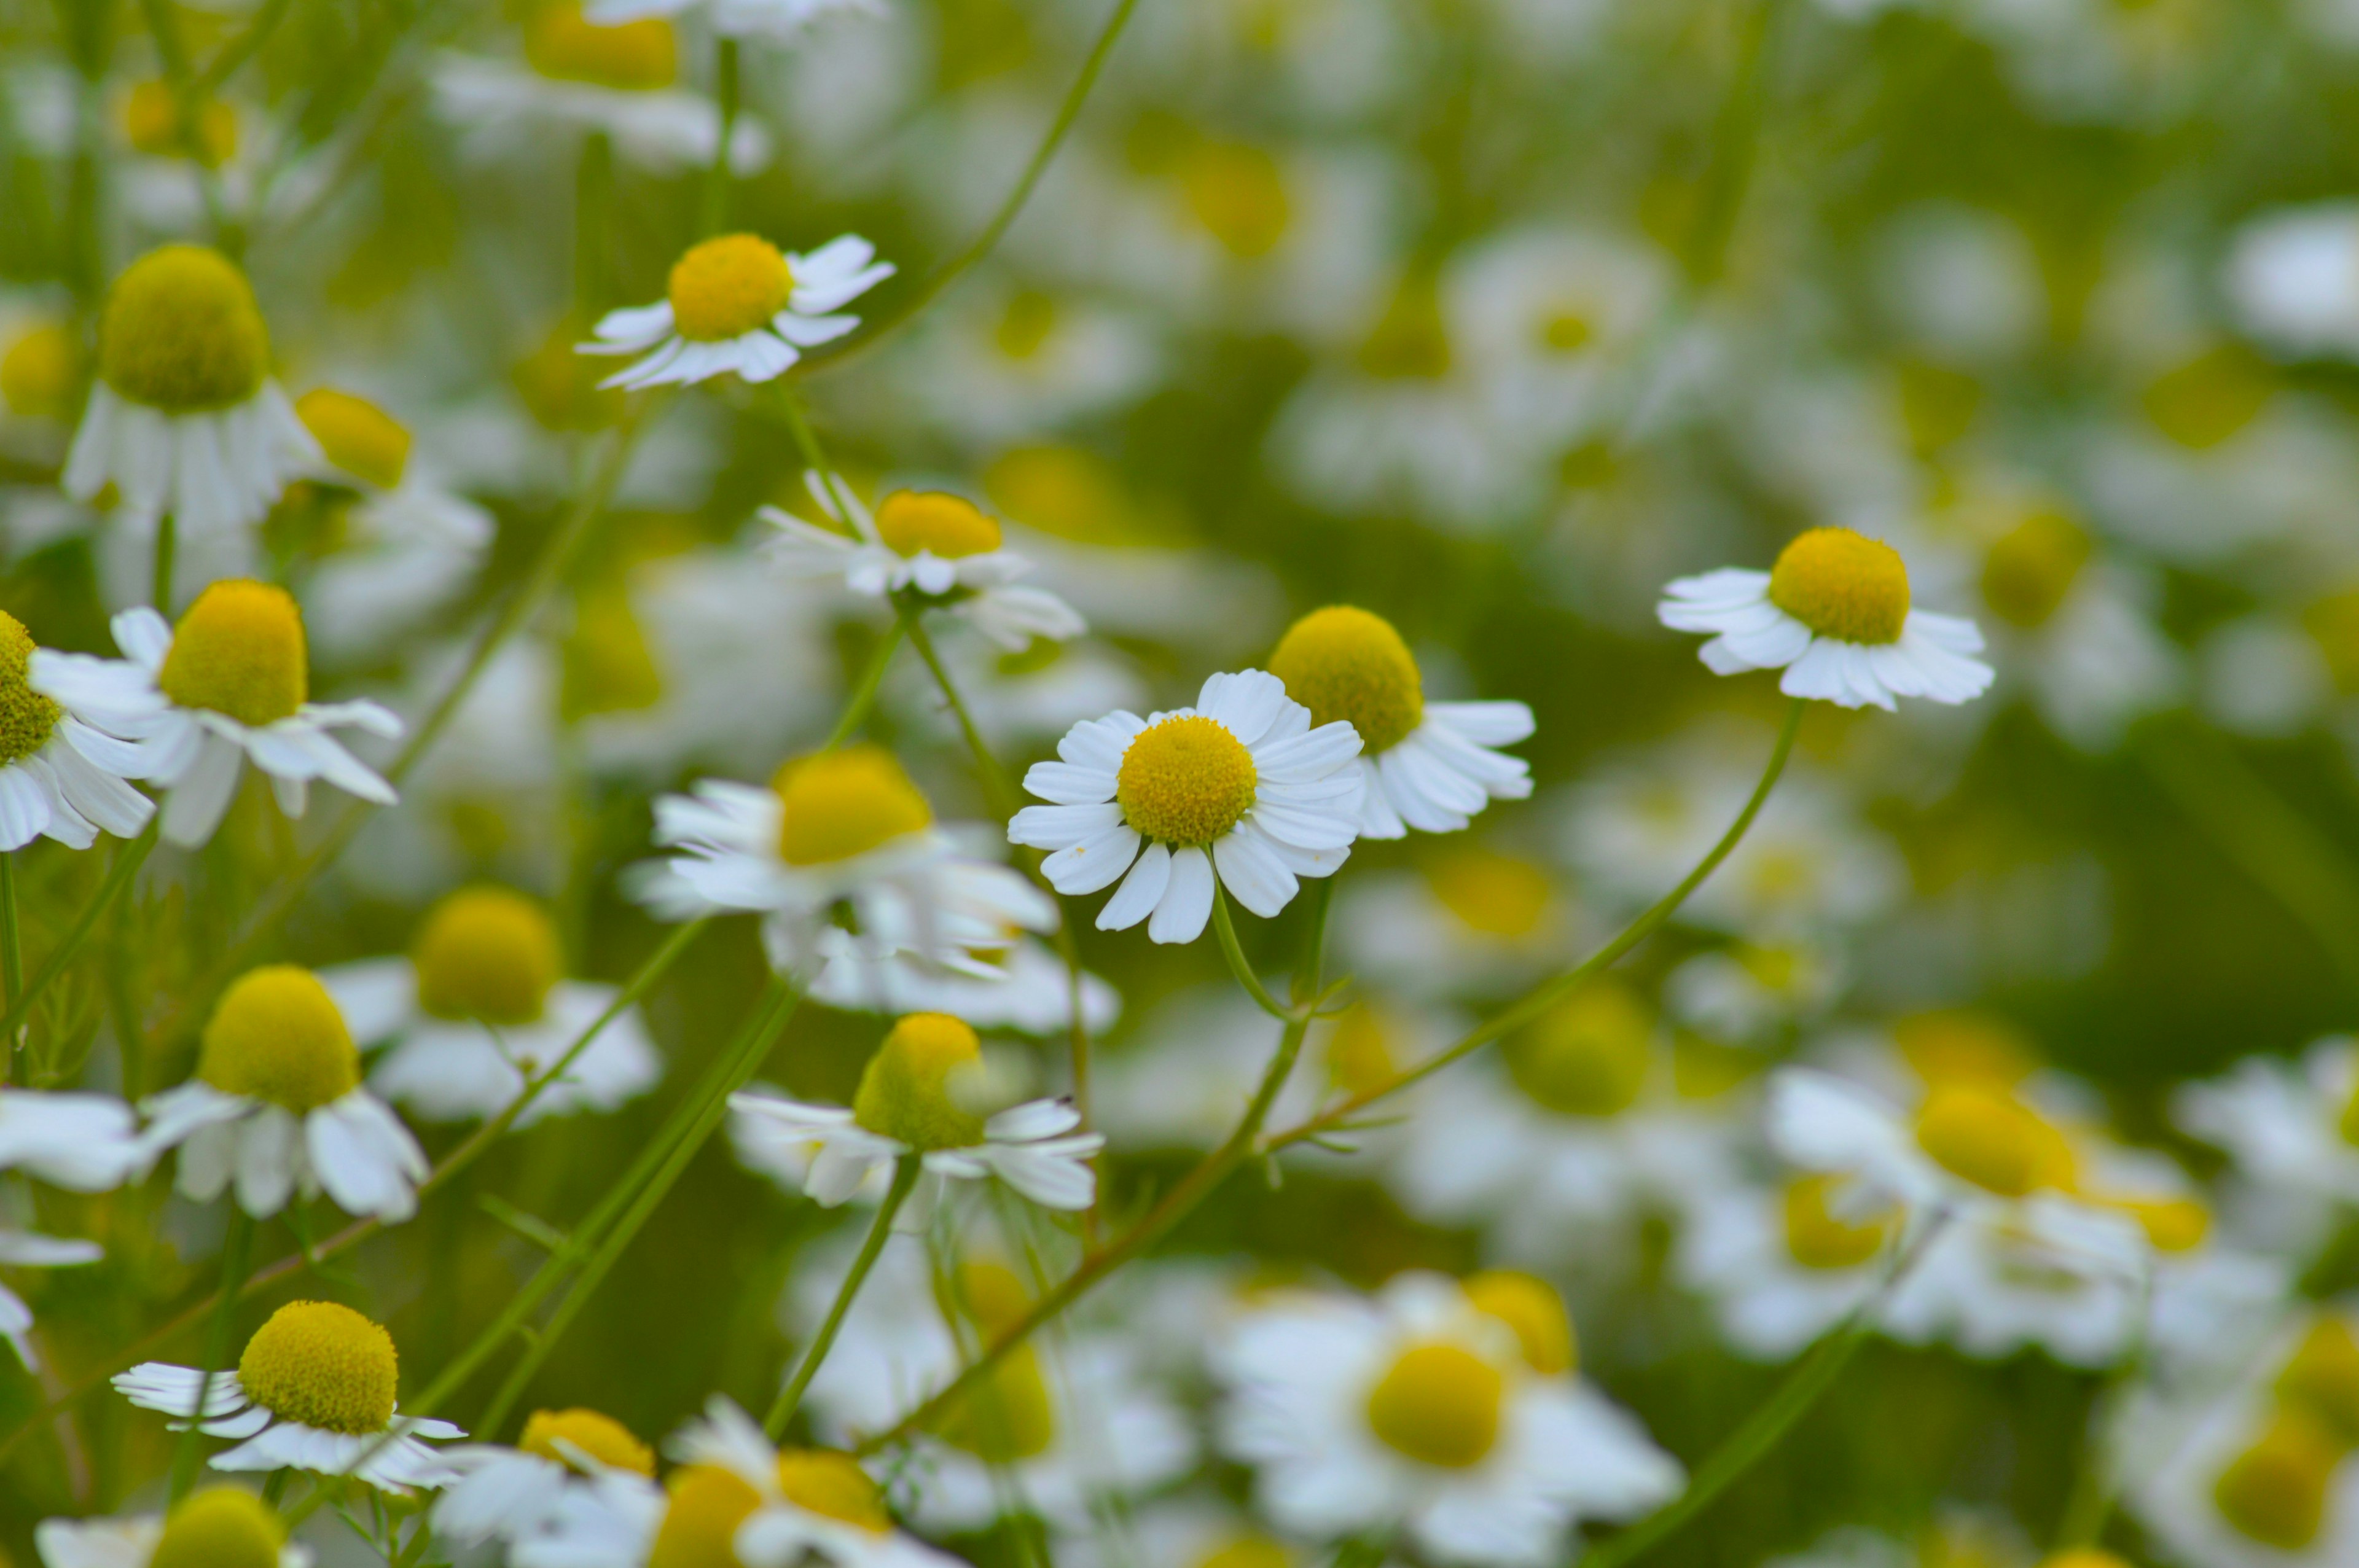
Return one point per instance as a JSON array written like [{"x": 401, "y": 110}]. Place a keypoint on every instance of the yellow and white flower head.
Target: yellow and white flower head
[
  {"x": 1028, "y": 989},
  {"x": 1239, "y": 786},
  {"x": 776, "y": 21},
  {"x": 927, "y": 1092},
  {"x": 222, "y": 1527},
  {"x": 1451, "y": 1411},
  {"x": 513, "y": 1495},
  {"x": 1782, "y": 1264},
  {"x": 1428, "y": 765},
  {"x": 231, "y": 681},
  {"x": 738, "y": 304},
  {"x": 480, "y": 1004},
  {"x": 60, "y": 778},
  {"x": 840, "y": 828},
  {"x": 940, "y": 550},
  {"x": 2290, "y": 1129},
  {"x": 1834, "y": 615},
  {"x": 313, "y": 1391},
  {"x": 278, "y": 1106},
  {"x": 184, "y": 417}
]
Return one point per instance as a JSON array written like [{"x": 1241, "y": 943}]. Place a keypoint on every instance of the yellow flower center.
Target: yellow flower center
[
  {"x": 1991, "y": 1139},
  {"x": 2032, "y": 566},
  {"x": 1410, "y": 342},
  {"x": 1495, "y": 894},
  {"x": 607, "y": 665},
  {"x": 1589, "y": 1055},
  {"x": 239, "y": 650},
  {"x": 842, "y": 804},
  {"x": 221, "y": 1526},
  {"x": 919, "y": 1088},
  {"x": 2321, "y": 1380},
  {"x": 1817, "y": 1238},
  {"x": 1533, "y": 1309},
  {"x": 1247, "y": 1551},
  {"x": 834, "y": 1485},
  {"x": 2171, "y": 1225},
  {"x": 180, "y": 332},
  {"x": 486, "y": 953},
  {"x": 699, "y": 1523},
  {"x": 991, "y": 1295},
  {"x": 2211, "y": 398},
  {"x": 1566, "y": 329},
  {"x": 26, "y": 718},
  {"x": 1959, "y": 1045},
  {"x": 1238, "y": 193},
  {"x": 41, "y": 372},
  {"x": 1025, "y": 323},
  {"x": 2274, "y": 1491},
  {"x": 632, "y": 57},
  {"x": 1186, "y": 781},
  {"x": 1066, "y": 491},
  {"x": 949, "y": 526},
  {"x": 1345, "y": 664},
  {"x": 321, "y": 1365},
  {"x": 1360, "y": 1051},
  {"x": 356, "y": 435},
  {"x": 1439, "y": 1404},
  {"x": 1843, "y": 584},
  {"x": 277, "y": 1035},
  {"x": 602, "y": 1437},
  {"x": 1008, "y": 1415},
  {"x": 152, "y": 119},
  {"x": 2084, "y": 1557},
  {"x": 726, "y": 288}
]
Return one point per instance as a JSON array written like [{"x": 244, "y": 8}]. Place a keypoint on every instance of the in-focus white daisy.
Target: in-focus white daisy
[
  {"x": 224, "y": 1525},
  {"x": 778, "y": 21},
  {"x": 1834, "y": 615},
  {"x": 738, "y": 304},
  {"x": 184, "y": 417},
  {"x": 1239, "y": 786},
  {"x": 313, "y": 1391},
  {"x": 512, "y": 1495},
  {"x": 479, "y": 1006},
  {"x": 58, "y": 778},
  {"x": 927, "y": 1094},
  {"x": 1428, "y": 765},
  {"x": 1449, "y": 1410},
  {"x": 229, "y": 682},
  {"x": 278, "y": 1106},
  {"x": 942, "y": 549}
]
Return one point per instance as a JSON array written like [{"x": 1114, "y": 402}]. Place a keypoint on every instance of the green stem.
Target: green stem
[
  {"x": 1001, "y": 793},
  {"x": 864, "y": 695},
  {"x": 12, "y": 960},
  {"x": 159, "y": 581},
  {"x": 240, "y": 49},
  {"x": 594, "y": 192},
  {"x": 237, "y": 1256},
  {"x": 1225, "y": 929},
  {"x": 127, "y": 860},
  {"x": 905, "y": 1172},
  {"x": 727, "y": 87}
]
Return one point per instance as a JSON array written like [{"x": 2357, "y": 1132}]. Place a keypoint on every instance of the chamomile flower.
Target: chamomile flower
[
  {"x": 58, "y": 778},
  {"x": 1834, "y": 615},
  {"x": 222, "y": 1527},
  {"x": 789, "y": 1501},
  {"x": 184, "y": 417},
  {"x": 1449, "y": 1410},
  {"x": 313, "y": 1391},
  {"x": 1781, "y": 1265},
  {"x": 925, "y": 1092},
  {"x": 738, "y": 304},
  {"x": 278, "y": 1106},
  {"x": 1240, "y": 786},
  {"x": 1030, "y": 989},
  {"x": 2291, "y": 1129},
  {"x": 939, "y": 548},
  {"x": 480, "y": 1005},
  {"x": 230, "y": 681},
  {"x": 778, "y": 21},
  {"x": 513, "y": 1494}
]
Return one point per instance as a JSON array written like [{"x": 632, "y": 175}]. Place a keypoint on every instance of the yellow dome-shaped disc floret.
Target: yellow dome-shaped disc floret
[
  {"x": 1008, "y": 1415},
  {"x": 1843, "y": 584},
  {"x": 2274, "y": 1491},
  {"x": 220, "y": 1526},
  {"x": 40, "y": 375},
  {"x": 991, "y": 1295},
  {"x": 726, "y": 288},
  {"x": 632, "y": 57},
  {"x": 2032, "y": 566},
  {"x": 1343, "y": 663},
  {"x": 1238, "y": 192},
  {"x": 1439, "y": 1404},
  {"x": 277, "y": 1035},
  {"x": 321, "y": 1365},
  {"x": 356, "y": 435},
  {"x": 154, "y": 123},
  {"x": 1186, "y": 781},
  {"x": 26, "y": 718},
  {"x": 1533, "y": 1309},
  {"x": 842, "y": 804},
  {"x": 699, "y": 1523},
  {"x": 180, "y": 332},
  {"x": 486, "y": 953},
  {"x": 550, "y": 1433},
  {"x": 1495, "y": 894},
  {"x": 912, "y": 1088},
  {"x": 1247, "y": 1551},
  {"x": 949, "y": 526},
  {"x": 2084, "y": 1557},
  {"x": 1818, "y": 1238},
  {"x": 1991, "y": 1138},
  {"x": 833, "y": 1486},
  {"x": 2321, "y": 1380},
  {"x": 239, "y": 650},
  {"x": 1588, "y": 1055},
  {"x": 2171, "y": 1225}
]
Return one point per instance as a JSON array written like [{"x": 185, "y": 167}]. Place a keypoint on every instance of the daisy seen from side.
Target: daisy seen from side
[
  {"x": 60, "y": 778},
  {"x": 512, "y": 1495},
  {"x": 739, "y": 305}
]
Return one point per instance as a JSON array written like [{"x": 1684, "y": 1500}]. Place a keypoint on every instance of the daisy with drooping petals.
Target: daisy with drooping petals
[
  {"x": 58, "y": 778},
  {"x": 222, "y": 1527},
  {"x": 231, "y": 681},
  {"x": 278, "y": 1105},
  {"x": 512, "y": 1493},
  {"x": 738, "y": 304},
  {"x": 1428, "y": 765},
  {"x": 1833, "y": 613},
  {"x": 1239, "y": 786},
  {"x": 314, "y": 1390}
]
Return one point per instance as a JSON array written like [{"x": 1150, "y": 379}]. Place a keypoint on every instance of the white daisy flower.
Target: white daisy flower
[
  {"x": 1239, "y": 786},
  {"x": 221, "y": 1525},
  {"x": 1834, "y": 615},
  {"x": 1428, "y": 765},
  {"x": 313, "y": 1391},
  {"x": 230, "y": 681},
  {"x": 479, "y": 1006},
  {"x": 804, "y": 1500},
  {"x": 58, "y": 778},
  {"x": 511, "y": 1495},
  {"x": 778, "y": 21},
  {"x": 739, "y": 304},
  {"x": 941, "y": 549},
  {"x": 184, "y": 417},
  {"x": 1781, "y": 1265},
  {"x": 1031, "y": 991},
  {"x": 278, "y": 1105},
  {"x": 2292, "y": 277},
  {"x": 2290, "y": 1128},
  {"x": 924, "y": 1094},
  {"x": 83, "y": 1143},
  {"x": 1449, "y": 1410}
]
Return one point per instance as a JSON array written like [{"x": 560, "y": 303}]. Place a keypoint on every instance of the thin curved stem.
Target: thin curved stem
[
  {"x": 864, "y": 695},
  {"x": 12, "y": 962},
  {"x": 127, "y": 860},
  {"x": 727, "y": 88},
  {"x": 905, "y": 1172},
  {"x": 1226, "y": 931},
  {"x": 241, "y": 48},
  {"x": 159, "y": 571}
]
